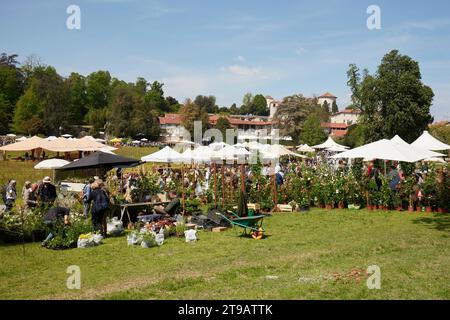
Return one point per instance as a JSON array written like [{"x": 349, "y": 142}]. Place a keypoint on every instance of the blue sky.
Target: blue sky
[{"x": 228, "y": 48}]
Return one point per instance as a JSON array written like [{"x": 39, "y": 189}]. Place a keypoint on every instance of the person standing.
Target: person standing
[
  {"x": 47, "y": 192},
  {"x": 100, "y": 206},
  {"x": 87, "y": 190},
  {"x": 11, "y": 195},
  {"x": 29, "y": 196}
]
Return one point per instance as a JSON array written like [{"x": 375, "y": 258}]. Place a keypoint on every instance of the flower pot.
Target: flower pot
[
  {"x": 428, "y": 209},
  {"x": 418, "y": 209},
  {"x": 441, "y": 210},
  {"x": 410, "y": 209},
  {"x": 370, "y": 207},
  {"x": 328, "y": 207},
  {"x": 341, "y": 205},
  {"x": 399, "y": 208}
]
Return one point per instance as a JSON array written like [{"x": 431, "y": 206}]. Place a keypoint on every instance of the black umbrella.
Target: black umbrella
[{"x": 101, "y": 160}]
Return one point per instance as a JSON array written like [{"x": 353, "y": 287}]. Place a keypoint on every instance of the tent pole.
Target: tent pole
[
  {"x": 223, "y": 183},
  {"x": 215, "y": 184}
]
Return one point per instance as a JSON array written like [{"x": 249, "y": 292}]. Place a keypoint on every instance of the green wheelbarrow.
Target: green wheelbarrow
[{"x": 251, "y": 223}]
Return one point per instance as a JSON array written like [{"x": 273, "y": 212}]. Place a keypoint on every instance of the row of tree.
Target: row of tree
[{"x": 35, "y": 99}]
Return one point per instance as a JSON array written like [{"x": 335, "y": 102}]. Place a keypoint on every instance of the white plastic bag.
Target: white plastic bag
[
  {"x": 132, "y": 239},
  {"x": 114, "y": 227},
  {"x": 159, "y": 237},
  {"x": 97, "y": 238},
  {"x": 190, "y": 235}
]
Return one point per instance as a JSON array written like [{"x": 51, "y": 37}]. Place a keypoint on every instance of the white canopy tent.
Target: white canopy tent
[
  {"x": 305, "y": 148},
  {"x": 428, "y": 142},
  {"x": 218, "y": 145},
  {"x": 383, "y": 149},
  {"x": 21, "y": 139},
  {"x": 275, "y": 151},
  {"x": 165, "y": 155},
  {"x": 425, "y": 152},
  {"x": 330, "y": 143},
  {"x": 51, "y": 164},
  {"x": 202, "y": 154}
]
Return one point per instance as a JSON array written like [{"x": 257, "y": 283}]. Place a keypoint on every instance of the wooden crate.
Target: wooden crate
[
  {"x": 285, "y": 208},
  {"x": 219, "y": 229}
]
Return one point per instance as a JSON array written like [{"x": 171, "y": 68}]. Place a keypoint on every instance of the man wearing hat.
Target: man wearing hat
[{"x": 47, "y": 192}]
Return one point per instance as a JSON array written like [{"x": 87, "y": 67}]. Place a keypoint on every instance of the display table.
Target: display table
[{"x": 124, "y": 207}]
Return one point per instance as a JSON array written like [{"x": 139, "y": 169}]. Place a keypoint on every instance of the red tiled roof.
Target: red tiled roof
[
  {"x": 327, "y": 95},
  {"x": 174, "y": 118},
  {"x": 338, "y": 133},
  {"x": 334, "y": 125}
]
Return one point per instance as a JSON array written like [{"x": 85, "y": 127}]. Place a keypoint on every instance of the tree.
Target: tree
[
  {"x": 292, "y": 113},
  {"x": 326, "y": 107},
  {"x": 334, "y": 107},
  {"x": 355, "y": 136},
  {"x": 172, "y": 104},
  {"x": 98, "y": 89},
  {"x": 189, "y": 113},
  {"x": 78, "y": 101},
  {"x": 223, "y": 124},
  {"x": 393, "y": 100},
  {"x": 312, "y": 132},
  {"x": 441, "y": 131},
  {"x": 234, "y": 109},
  {"x": 208, "y": 103},
  {"x": 45, "y": 103},
  {"x": 259, "y": 106},
  {"x": 155, "y": 97},
  {"x": 120, "y": 111},
  {"x": 5, "y": 116}
]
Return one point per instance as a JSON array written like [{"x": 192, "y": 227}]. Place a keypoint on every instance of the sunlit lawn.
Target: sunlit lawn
[{"x": 304, "y": 256}]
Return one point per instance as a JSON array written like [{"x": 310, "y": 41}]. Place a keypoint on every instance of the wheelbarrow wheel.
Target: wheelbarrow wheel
[{"x": 257, "y": 234}]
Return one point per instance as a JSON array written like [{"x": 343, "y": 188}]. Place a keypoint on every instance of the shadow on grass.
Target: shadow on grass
[{"x": 439, "y": 222}]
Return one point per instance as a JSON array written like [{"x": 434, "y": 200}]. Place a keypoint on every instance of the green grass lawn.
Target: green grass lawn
[{"x": 304, "y": 256}]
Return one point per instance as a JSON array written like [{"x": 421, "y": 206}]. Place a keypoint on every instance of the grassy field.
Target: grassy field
[{"x": 316, "y": 255}]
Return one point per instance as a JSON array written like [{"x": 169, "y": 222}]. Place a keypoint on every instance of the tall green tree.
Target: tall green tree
[
  {"x": 223, "y": 124},
  {"x": 312, "y": 133},
  {"x": 326, "y": 107},
  {"x": 47, "y": 100},
  {"x": 394, "y": 100},
  {"x": 98, "y": 89},
  {"x": 190, "y": 113},
  {"x": 334, "y": 107},
  {"x": 5, "y": 116},
  {"x": 155, "y": 97},
  {"x": 78, "y": 101},
  {"x": 208, "y": 103},
  {"x": 259, "y": 106},
  {"x": 292, "y": 114}
]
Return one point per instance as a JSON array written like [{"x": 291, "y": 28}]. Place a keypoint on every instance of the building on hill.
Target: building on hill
[
  {"x": 273, "y": 105},
  {"x": 328, "y": 97},
  {"x": 341, "y": 121},
  {"x": 255, "y": 126}
]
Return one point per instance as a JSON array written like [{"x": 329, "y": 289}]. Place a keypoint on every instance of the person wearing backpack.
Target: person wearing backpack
[
  {"x": 10, "y": 195},
  {"x": 86, "y": 197},
  {"x": 100, "y": 206}
]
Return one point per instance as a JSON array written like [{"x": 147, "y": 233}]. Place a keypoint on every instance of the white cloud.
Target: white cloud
[{"x": 241, "y": 58}]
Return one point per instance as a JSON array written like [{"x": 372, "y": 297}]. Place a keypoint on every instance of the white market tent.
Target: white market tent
[
  {"x": 187, "y": 156},
  {"x": 304, "y": 148},
  {"x": 202, "y": 154},
  {"x": 21, "y": 139},
  {"x": 330, "y": 143},
  {"x": 428, "y": 142},
  {"x": 383, "y": 149},
  {"x": 218, "y": 145},
  {"x": 66, "y": 135},
  {"x": 230, "y": 153},
  {"x": 27, "y": 145},
  {"x": 165, "y": 155},
  {"x": 51, "y": 164},
  {"x": 425, "y": 152},
  {"x": 272, "y": 151},
  {"x": 51, "y": 138}
]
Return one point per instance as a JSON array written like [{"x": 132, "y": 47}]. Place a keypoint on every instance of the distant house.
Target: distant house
[
  {"x": 341, "y": 121},
  {"x": 328, "y": 97}
]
